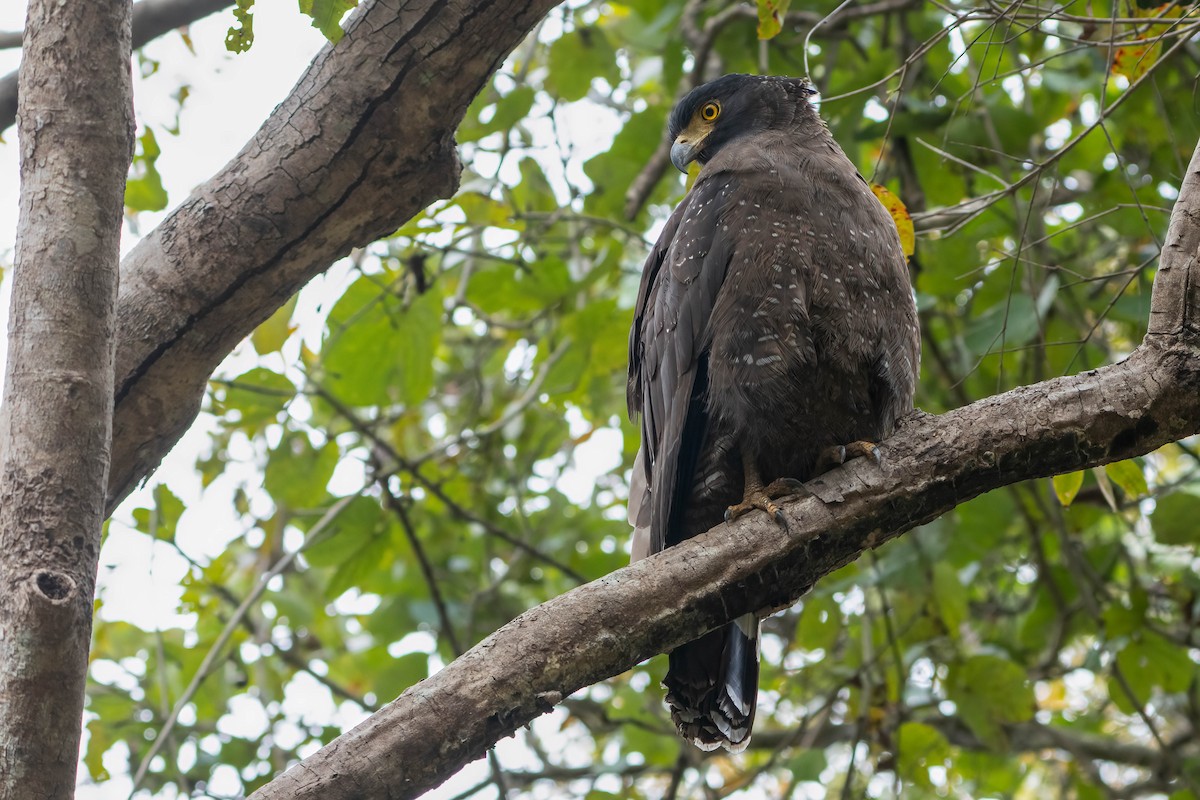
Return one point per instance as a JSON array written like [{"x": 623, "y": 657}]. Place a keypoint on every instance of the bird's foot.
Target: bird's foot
[
  {"x": 762, "y": 498},
  {"x": 838, "y": 454}
]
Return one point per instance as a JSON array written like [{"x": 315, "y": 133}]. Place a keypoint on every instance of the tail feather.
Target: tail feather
[{"x": 712, "y": 686}]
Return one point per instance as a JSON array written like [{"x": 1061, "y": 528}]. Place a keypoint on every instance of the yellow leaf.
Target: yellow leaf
[
  {"x": 270, "y": 336},
  {"x": 899, "y": 214},
  {"x": 1067, "y": 486},
  {"x": 770, "y": 17},
  {"x": 1128, "y": 475},
  {"x": 1133, "y": 61},
  {"x": 1055, "y": 698}
]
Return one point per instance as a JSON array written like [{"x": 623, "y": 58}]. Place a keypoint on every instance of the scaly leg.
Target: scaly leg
[
  {"x": 758, "y": 496},
  {"x": 838, "y": 454}
]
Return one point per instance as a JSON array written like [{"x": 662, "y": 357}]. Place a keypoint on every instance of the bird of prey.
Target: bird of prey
[{"x": 775, "y": 335}]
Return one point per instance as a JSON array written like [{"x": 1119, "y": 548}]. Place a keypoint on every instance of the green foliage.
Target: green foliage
[
  {"x": 576, "y": 59},
  {"x": 327, "y": 15},
  {"x": 921, "y": 747},
  {"x": 379, "y": 349},
  {"x": 240, "y": 36},
  {"x": 989, "y": 693},
  {"x": 144, "y": 189},
  {"x": 444, "y": 443},
  {"x": 1176, "y": 519}
]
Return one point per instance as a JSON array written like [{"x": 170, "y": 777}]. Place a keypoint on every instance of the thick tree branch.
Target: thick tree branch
[
  {"x": 151, "y": 19},
  {"x": 930, "y": 465},
  {"x": 363, "y": 143}
]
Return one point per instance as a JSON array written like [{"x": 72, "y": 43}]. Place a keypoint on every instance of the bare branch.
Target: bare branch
[{"x": 1175, "y": 304}]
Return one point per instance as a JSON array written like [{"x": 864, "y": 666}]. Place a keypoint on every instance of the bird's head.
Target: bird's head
[{"x": 731, "y": 106}]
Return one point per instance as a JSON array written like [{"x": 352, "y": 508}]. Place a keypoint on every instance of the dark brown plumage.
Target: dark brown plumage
[{"x": 775, "y": 325}]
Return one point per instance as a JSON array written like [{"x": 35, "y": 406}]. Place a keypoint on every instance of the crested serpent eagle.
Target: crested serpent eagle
[{"x": 775, "y": 335}]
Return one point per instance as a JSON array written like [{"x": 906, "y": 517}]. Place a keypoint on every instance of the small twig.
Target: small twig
[
  {"x": 515, "y": 409},
  {"x": 817, "y": 24},
  {"x": 394, "y": 505}
]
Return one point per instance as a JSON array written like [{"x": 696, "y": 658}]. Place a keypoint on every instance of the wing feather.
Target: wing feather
[{"x": 667, "y": 375}]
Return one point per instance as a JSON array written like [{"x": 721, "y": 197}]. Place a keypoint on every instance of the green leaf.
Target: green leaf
[
  {"x": 534, "y": 192},
  {"x": 1010, "y": 323},
  {"x": 240, "y": 37},
  {"x": 612, "y": 171},
  {"x": 1066, "y": 486},
  {"x": 820, "y": 623},
  {"x": 1176, "y": 519},
  {"x": 507, "y": 112},
  {"x": 484, "y": 211},
  {"x": 144, "y": 188},
  {"x": 920, "y": 747},
  {"x": 1129, "y": 476},
  {"x": 1121, "y": 620},
  {"x": 257, "y": 396},
  {"x": 807, "y": 765},
  {"x": 359, "y": 522},
  {"x": 770, "y": 17},
  {"x": 100, "y": 739},
  {"x": 1148, "y": 662},
  {"x": 161, "y": 520},
  {"x": 400, "y": 674},
  {"x": 990, "y": 692},
  {"x": 297, "y": 473},
  {"x": 950, "y": 596},
  {"x": 378, "y": 351},
  {"x": 327, "y": 15},
  {"x": 576, "y": 59}
]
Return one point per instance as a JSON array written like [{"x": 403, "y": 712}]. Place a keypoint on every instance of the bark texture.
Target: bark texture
[
  {"x": 151, "y": 19},
  {"x": 76, "y": 139},
  {"x": 929, "y": 466},
  {"x": 364, "y": 142}
]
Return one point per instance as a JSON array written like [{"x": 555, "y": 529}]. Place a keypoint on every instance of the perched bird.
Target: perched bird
[{"x": 775, "y": 335}]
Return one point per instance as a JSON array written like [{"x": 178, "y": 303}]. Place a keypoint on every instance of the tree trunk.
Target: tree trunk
[{"x": 76, "y": 138}]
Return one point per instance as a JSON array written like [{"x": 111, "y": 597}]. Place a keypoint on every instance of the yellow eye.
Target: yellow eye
[{"x": 710, "y": 111}]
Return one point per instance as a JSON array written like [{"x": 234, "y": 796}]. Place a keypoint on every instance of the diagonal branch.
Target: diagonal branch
[
  {"x": 363, "y": 143},
  {"x": 931, "y": 464}
]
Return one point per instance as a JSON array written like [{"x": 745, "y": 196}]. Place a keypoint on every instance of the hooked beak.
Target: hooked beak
[{"x": 684, "y": 152}]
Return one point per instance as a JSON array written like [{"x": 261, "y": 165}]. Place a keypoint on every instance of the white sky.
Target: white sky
[{"x": 229, "y": 98}]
